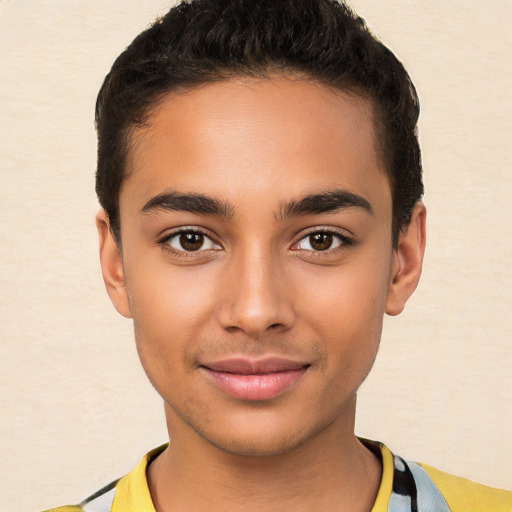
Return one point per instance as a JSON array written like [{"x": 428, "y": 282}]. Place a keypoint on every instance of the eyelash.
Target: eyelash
[
  {"x": 344, "y": 242},
  {"x": 164, "y": 242}
]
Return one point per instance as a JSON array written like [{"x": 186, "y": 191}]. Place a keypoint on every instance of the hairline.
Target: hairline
[{"x": 271, "y": 72}]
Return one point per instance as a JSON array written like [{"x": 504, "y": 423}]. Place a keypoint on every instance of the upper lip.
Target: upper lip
[{"x": 247, "y": 366}]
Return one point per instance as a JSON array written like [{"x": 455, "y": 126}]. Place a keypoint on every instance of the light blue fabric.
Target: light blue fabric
[{"x": 100, "y": 503}]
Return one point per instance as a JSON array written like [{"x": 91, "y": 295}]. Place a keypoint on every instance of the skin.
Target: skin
[{"x": 258, "y": 286}]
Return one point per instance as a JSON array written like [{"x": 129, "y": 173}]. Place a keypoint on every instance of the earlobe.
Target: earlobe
[
  {"x": 112, "y": 266},
  {"x": 408, "y": 260}
]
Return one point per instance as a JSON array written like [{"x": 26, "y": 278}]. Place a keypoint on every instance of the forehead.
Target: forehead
[{"x": 249, "y": 134}]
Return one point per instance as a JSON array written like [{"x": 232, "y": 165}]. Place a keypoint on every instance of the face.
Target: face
[{"x": 257, "y": 260}]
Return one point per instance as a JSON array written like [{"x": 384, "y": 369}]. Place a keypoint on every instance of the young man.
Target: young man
[{"x": 260, "y": 178}]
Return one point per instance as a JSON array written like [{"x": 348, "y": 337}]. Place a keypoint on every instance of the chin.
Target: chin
[
  {"x": 259, "y": 438},
  {"x": 258, "y": 447}
]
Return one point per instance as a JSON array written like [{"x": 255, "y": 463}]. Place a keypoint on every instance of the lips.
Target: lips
[{"x": 255, "y": 380}]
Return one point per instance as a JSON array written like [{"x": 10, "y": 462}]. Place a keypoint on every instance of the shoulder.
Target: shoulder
[
  {"x": 68, "y": 508},
  {"x": 463, "y": 495},
  {"x": 418, "y": 487},
  {"x": 428, "y": 489},
  {"x": 127, "y": 494},
  {"x": 100, "y": 501}
]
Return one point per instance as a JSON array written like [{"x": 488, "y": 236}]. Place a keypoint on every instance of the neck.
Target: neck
[{"x": 330, "y": 471}]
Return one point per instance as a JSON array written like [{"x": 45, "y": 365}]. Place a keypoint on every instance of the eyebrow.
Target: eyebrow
[
  {"x": 199, "y": 204},
  {"x": 326, "y": 202},
  {"x": 312, "y": 204}
]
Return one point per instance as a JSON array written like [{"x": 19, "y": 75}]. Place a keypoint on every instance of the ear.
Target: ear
[
  {"x": 112, "y": 265},
  {"x": 408, "y": 259}
]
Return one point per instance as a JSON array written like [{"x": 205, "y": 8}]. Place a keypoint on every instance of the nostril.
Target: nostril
[{"x": 233, "y": 328}]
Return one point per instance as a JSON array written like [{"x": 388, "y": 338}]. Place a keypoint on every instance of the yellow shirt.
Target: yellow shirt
[{"x": 405, "y": 487}]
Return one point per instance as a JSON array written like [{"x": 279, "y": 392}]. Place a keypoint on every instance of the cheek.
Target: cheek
[
  {"x": 344, "y": 309},
  {"x": 349, "y": 295},
  {"x": 168, "y": 297},
  {"x": 170, "y": 309}
]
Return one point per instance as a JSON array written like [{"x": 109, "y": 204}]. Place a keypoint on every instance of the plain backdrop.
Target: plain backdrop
[{"x": 76, "y": 409}]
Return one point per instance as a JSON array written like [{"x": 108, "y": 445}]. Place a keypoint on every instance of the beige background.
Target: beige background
[{"x": 76, "y": 408}]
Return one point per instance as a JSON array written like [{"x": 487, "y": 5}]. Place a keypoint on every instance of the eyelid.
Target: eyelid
[
  {"x": 342, "y": 235},
  {"x": 164, "y": 239}
]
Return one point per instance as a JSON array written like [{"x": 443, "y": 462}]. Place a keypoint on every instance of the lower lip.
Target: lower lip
[{"x": 254, "y": 387}]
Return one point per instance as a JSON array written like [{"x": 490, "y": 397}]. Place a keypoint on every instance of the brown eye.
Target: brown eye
[
  {"x": 321, "y": 241},
  {"x": 191, "y": 241}
]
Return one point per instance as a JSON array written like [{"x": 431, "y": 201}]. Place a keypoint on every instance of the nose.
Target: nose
[{"x": 256, "y": 297}]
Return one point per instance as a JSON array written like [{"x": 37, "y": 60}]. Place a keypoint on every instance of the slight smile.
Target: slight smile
[{"x": 258, "y": 380}]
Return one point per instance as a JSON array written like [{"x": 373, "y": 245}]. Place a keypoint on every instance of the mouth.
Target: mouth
[{"x": 255, "y": 380}]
